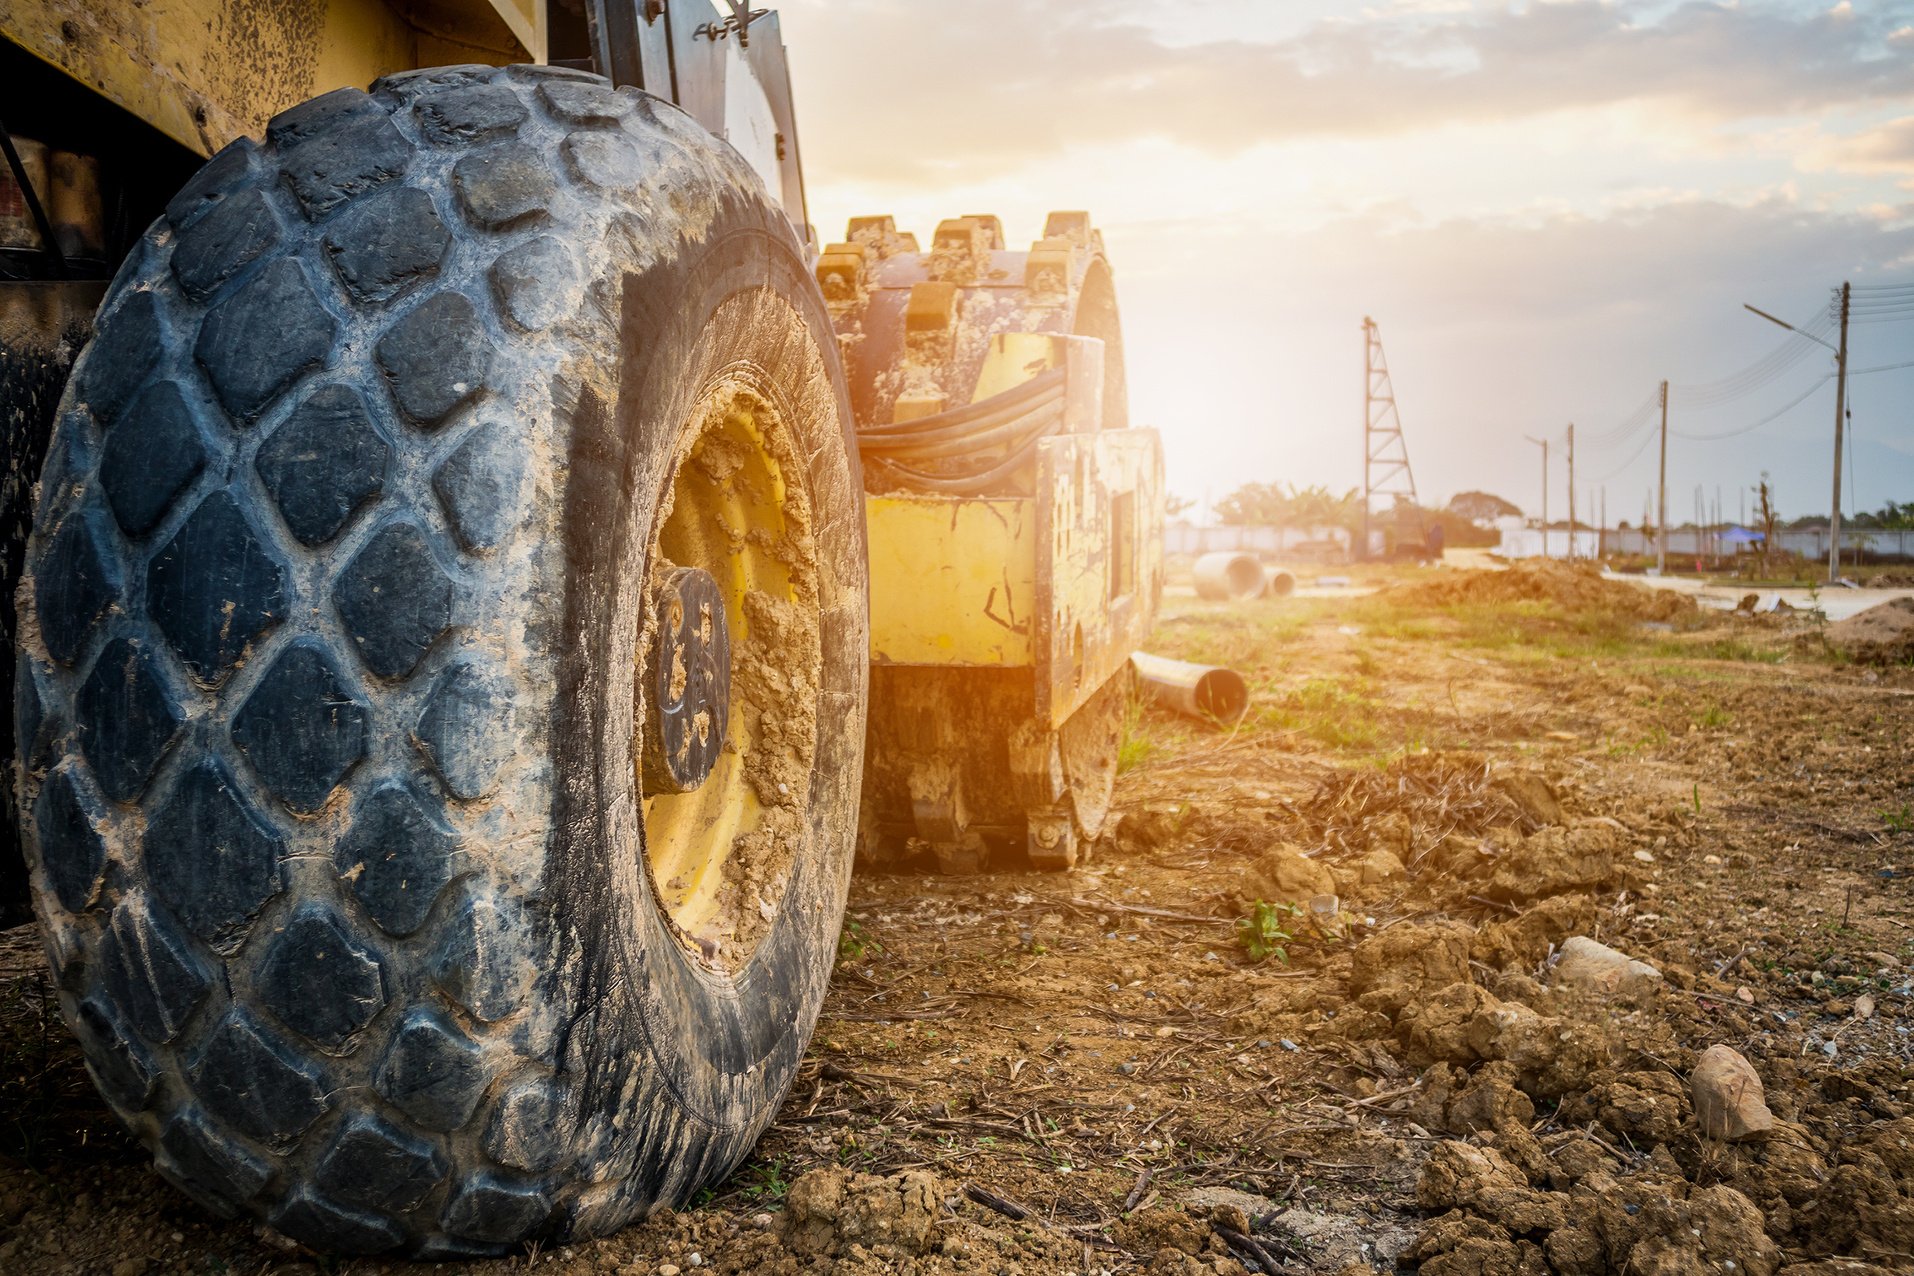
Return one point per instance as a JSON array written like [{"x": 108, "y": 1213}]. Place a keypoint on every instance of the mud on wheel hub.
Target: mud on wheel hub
[{"x": 689, "y": 706}]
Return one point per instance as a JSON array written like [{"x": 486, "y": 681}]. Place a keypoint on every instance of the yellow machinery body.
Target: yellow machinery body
[
  {"x": 1060, "y": 582},
  {"x": 1003, "y": 617}
]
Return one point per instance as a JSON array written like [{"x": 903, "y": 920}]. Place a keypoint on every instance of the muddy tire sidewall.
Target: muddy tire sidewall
[
  {"x": 726, "y": 1043},
  {"x": 326, "y": 686}
]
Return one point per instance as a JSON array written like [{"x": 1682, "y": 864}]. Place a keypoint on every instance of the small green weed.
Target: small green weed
[
  {"x": 855, "y": 943},
  {"x": 1265, "y": 932},
  {"x": 1902, "y": 820},
  {"x": 769, "y": 1183}
]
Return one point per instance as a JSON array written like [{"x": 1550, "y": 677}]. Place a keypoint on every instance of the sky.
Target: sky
[{"x": 1547, "y": 208}]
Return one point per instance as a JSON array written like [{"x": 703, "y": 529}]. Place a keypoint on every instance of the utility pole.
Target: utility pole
[
  {"x": 1661, "y": 514},
  {"x": 1571, "y": 490},
  {"x": 1840, "y": 418},
  {"x": 1543, "y": 444},
  {"x": 1601, "y": 532}
]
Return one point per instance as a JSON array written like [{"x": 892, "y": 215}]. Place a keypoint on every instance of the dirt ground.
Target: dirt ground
[{"x": 1093, "y": 1073}]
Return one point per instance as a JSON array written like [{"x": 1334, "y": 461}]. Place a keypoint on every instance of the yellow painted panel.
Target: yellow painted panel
[
  {"x": 1098, "y": 583},
  {"x": 953, "y": 580},
  {"x": 1014, "y": 358},
  {"x": 207, "y": 71}
]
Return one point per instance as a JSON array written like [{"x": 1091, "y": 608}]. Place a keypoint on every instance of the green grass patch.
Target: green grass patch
[{"x": 1137, "y": 747}]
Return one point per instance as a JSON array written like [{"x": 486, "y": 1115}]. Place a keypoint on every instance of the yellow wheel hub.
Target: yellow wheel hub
[{"x": 719, "y": 853}]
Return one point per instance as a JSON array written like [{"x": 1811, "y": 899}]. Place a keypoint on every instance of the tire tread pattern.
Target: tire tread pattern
[{"x": 275, "y": 854}]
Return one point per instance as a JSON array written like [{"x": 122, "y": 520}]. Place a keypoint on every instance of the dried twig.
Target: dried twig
[
  {"x": 1143, "y": 1181},
  {"x": 1247, "y": 1245},
  {"x": 990, "y": 1200}
]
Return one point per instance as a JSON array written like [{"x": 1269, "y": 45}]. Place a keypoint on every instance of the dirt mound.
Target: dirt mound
[
  {"x": 1574, "y": 587},
  {"x": 1881, "y": 635}
]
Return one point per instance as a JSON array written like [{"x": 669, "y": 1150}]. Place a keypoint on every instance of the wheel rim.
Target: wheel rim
[{"x": 718, "y": 856}]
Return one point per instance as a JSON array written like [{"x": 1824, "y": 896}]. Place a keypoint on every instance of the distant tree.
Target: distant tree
[
  {"x": 1259, "y": 504},
  {"x": 1174, "y": 505},
  {"x": 1892, "y": 516},
  {"x": 1482, "y": 507},
  {"x": 1285, "y": 505},
  {"x": 1317, "y": 506}
]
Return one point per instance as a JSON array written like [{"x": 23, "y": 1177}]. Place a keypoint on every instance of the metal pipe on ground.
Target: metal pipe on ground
[
  {"x": 1227, "y": 577},
  {"x": 1200, "y": 691},
  {"x": 1279, "y": 585}
]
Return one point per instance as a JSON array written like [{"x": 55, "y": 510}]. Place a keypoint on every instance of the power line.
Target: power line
[
  {"x": 1632, "y": 456},
  {"x": 1729, "y": 434},
  {"x": 1627, "y": 425},
  {"x": 1792, "y": 403},
  {"x": 1762, "y": 371},
  {"x": 1879, "y": 303}
]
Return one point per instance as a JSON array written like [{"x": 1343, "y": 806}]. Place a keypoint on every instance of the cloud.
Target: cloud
[
  {"x": 1886, "y": 149},
  {"x": 890, "y": 87},
  {"x": 1496, "y": 329}
]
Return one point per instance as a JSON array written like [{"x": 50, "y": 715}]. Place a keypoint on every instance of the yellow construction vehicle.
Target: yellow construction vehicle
[
  {"x": 1015, "y": 531},
  {"x": 490, "y": 575}
]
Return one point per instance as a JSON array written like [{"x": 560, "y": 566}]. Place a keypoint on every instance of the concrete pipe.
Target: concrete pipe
[
  {"x": 1227, "y": 577},
  {"x": 1199, "y": 691},
  {"x": 1279, "y": 585}
]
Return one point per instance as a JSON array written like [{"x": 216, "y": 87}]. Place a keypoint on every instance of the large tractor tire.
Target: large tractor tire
[{"x": 443, "y": 667}]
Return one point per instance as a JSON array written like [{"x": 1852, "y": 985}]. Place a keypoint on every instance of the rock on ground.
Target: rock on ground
[
  {"x": 1729, "y": 1100},
  {"x": 1589, "y": 966}
]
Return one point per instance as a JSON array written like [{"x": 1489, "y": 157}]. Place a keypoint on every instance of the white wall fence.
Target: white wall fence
[
  {"x": 1811, "y": 543},
  {"x": 1533, "y": 542},
  {"x": 1526, "y": 542}
]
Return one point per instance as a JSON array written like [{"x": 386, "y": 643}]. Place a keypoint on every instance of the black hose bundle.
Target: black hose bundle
[{"x": 964, "y": 442}]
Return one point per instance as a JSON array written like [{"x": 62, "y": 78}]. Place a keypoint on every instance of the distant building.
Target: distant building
[
  {"x": 1484, "y": 509},
  {"x": 1552, "y": 542}
]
